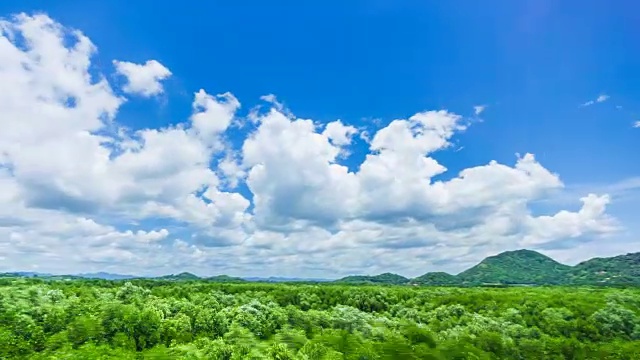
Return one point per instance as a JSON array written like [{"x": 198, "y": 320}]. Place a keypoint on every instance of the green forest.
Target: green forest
[{"x": 198, "y": 319}]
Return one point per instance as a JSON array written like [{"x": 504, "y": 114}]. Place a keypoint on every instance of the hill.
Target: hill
[
  {"x": 622, "y": 269},
  {"x": 179, "y": 277},
  {"x": 436, "y": 278},
  {"x": 105, "y": 276},
  {"x": 516, "y": 267},
  {"x": 224, "y": 278},
  {"x": 386, "y": 278}
]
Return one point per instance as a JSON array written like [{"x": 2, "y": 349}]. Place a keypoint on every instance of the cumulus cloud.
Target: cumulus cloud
[
  {"x": 87, "y": 169},
  {"x": 571, "y": 225},
  {"x": 338, "y": 133},
  {"x": 636, "y": 124},
  {"x": 159, "y": 200},
  {"x": 143, "y": 79},
  {"x": 213, "y": 115}
]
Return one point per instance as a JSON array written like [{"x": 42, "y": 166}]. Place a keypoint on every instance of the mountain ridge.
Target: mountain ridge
[
  {"x": 517, "y": 267},
  {"x": 529, "y": 267}
]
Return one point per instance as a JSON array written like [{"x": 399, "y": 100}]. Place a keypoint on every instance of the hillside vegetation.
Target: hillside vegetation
[
  {"x": 180, "y": 276},
  {"x": 516, "y": 267},
  {"x": 436, "y": 278},
  {"x": 525, "y": 267},
  {"x": 622, "y": 269},
  {"x": 386, "y": 278}
]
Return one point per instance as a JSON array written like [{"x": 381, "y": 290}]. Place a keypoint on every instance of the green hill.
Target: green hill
[
  {"x": 386, "y": 278},
  {"x": 622, "y": 269},
  {"x": 516, "y": 267},
  {"x": 436, "y": 278},
  {"x": 224, "y": 278},
  {"x": 179, "y": 277}
]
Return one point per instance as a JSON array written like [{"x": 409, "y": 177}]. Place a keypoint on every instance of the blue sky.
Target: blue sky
[{"x": 532, "y": 64}]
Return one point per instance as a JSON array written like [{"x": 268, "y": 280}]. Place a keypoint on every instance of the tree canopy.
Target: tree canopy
[{"x": 199, "y": 319}]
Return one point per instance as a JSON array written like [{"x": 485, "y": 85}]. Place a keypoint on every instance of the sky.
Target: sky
[{"x": 315, "y": 139}]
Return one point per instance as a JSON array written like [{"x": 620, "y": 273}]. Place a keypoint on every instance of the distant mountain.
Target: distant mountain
[
  {"x": 386, "y": 278},
  {"x": 44, "y": 276},
  {"x": 622, "y": 269},
  {"x": 516, "y": 267},
  {"x": 25, "y": 274},
  {"x": 275, "y": 279},
  {"x": 527, "y": 267},
  {"x": 436, "y": 278},
  {"x": 105, "y": 276},
  {"x": 520, "y": 267},
  {"x": 224, "y": 278},
  {"x": 179, "y": 277}
]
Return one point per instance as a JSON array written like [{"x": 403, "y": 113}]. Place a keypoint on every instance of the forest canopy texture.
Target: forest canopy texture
[{"x": 198, "y": 319}]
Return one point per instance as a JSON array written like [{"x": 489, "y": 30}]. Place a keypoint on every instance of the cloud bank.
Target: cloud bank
[{"x": 81, "y": 191}]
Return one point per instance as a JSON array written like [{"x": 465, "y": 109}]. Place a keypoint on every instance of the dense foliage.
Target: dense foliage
[{"x": 147, "y": 319}]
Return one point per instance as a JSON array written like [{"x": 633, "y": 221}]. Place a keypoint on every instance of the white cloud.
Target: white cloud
[
  {"x": 636, "y": 124},
  {"x": 338, "y": 133},
  {"x": 143, "y": 79},
  {"x": 293, "y": 172},
  {"x": 108, "y": 198},
  {"x": 479, "y": 109},
  {"x": 213, "y": 115},
  {"x": 84, "y": 171},
  {"x": 599, "y": 99},
  {"x": 571, "y": 225}
]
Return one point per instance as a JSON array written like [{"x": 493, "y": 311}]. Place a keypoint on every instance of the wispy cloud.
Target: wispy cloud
[
  {"x": 599, "y": 99},
  {"x": 478, "y": 109},
  {"x": 636, "y": 124}
]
